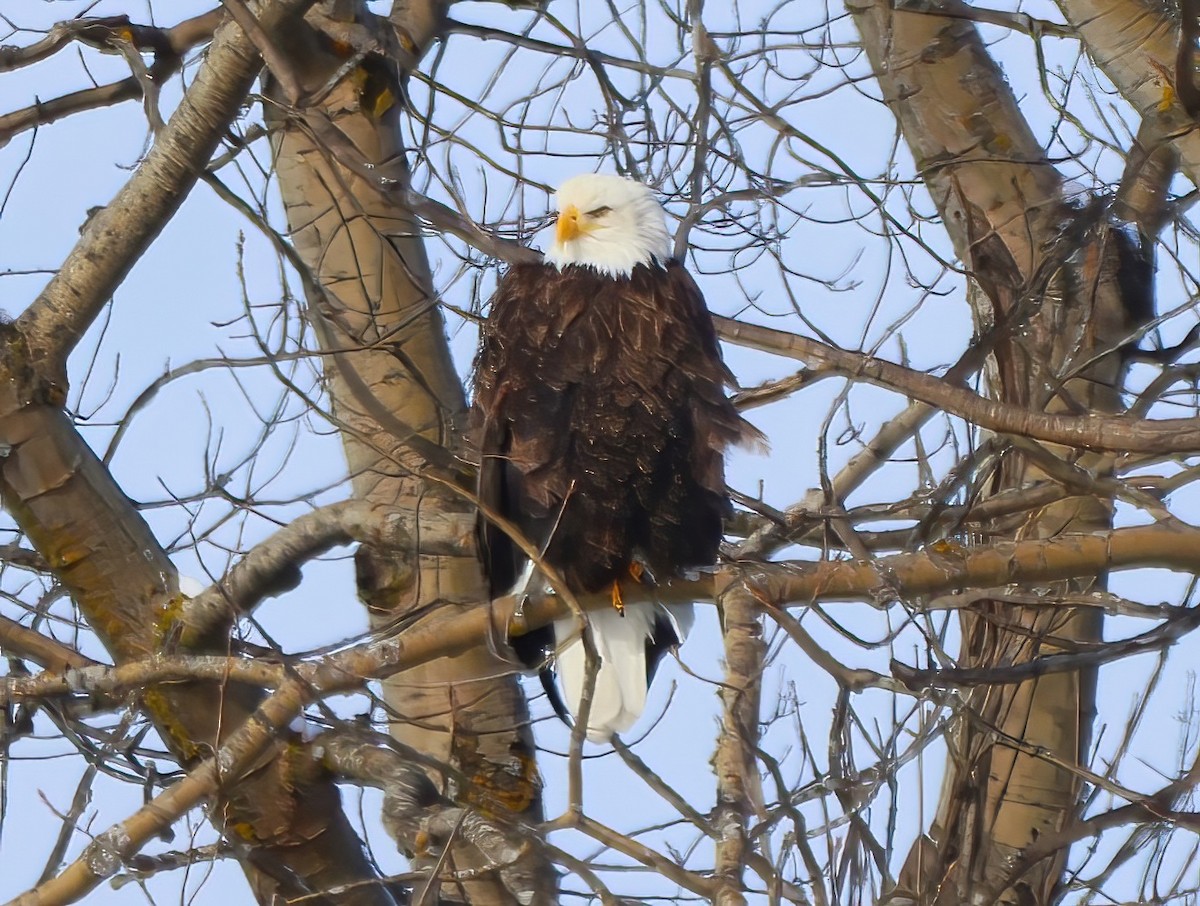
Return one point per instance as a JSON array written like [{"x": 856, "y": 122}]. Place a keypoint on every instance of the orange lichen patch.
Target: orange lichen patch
[
  {"x": 374, "y": 87},
  {"x": 342, "y": 48},
  {"x": 112, "y": 627},
  {"x": 421, "y": 844},
  {"x": 618, "y": 600},
  {"x": 125, "y": 34},
  {"x": 498, "y": 790},
  {"x": 384, "y": 101},
  {"x": 243, "y": 829},
  {"x": 947, "y": 546},
  {"x": 107, "y": 625},
  {"x": 406, "y": 40},
  {"x": 67, "y": 553},
  {"x": 1001, "y": 142},
  {"x": 1167, "y": 80}
]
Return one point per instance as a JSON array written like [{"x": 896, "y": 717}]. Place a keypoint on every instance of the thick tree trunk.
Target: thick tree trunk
[
  {"x": 286, "y": 813},
  {"x": 1045, "y": 281},
  {"x": 398, "y": 400}
]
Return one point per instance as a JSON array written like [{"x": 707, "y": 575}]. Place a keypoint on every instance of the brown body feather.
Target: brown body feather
[{"x": 601, "y": 420}]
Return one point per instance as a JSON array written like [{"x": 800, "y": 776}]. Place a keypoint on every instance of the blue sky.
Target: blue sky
[{"x": 183, "y": 302}]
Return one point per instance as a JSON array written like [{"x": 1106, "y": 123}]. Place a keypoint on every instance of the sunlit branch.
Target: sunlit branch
[
  {"x": 102, "y": 679},
  {"x": 940, "y": 568},
  {"x": 109, "y": 850},
  {"x": 49, "y": 111},
  {"x": 167, "y": 44},
  {"x": 1097, "y": 432},
  {"x": 271, "y": 566},
  {"x": 103, "y": 32},
  {"x": 1033, "y": 26},
  {"x": 21, "y": 641},
  {"x": 117, "y": 235},
  {"x": 937, "y": 569},
  {"x": 943, "y": 567}
]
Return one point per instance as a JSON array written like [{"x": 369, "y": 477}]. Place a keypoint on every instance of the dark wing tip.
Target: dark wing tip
[{"x": 751, "y": 439}]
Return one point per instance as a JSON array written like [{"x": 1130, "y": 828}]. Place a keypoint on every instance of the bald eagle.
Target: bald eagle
[{"x": 601, "y": 422}]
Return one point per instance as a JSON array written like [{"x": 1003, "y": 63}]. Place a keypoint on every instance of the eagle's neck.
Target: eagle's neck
[{"x": 619, "y": 270}]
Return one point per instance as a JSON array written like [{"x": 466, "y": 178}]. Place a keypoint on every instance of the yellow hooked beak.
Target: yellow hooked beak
[{"x": 568, "y": 225}]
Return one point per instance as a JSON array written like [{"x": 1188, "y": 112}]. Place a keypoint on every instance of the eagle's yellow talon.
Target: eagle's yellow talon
[{"x": 618, "y": 602}]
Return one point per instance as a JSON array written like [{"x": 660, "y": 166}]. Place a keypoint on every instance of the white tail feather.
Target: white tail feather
[
  {"x": 619, "y": 696},
  {"x": 682, "y": 618}
]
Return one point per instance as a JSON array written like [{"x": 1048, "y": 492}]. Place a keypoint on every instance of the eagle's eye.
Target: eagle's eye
[{"x": 600, "y": 211}]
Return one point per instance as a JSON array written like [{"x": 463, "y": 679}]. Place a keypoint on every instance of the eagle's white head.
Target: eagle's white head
[{"x": 609, "y": 223}]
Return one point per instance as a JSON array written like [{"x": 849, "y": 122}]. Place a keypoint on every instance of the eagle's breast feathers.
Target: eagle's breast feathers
[{"x": 600, "y": 406}]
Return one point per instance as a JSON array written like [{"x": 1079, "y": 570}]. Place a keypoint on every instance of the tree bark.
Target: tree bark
[
  {"x": 1136, "y": 44},
  {"x": 397, "y": 398},
  {"x": 287, "y": 811},
  {"x": 1046, "y": 277}
]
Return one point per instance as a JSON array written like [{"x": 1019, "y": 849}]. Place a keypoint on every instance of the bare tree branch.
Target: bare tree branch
[{"x": 117, "y": 235}]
